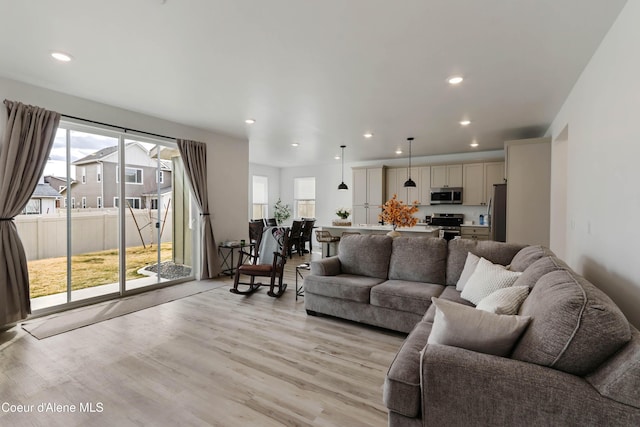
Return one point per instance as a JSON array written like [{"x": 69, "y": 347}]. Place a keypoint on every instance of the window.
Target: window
[
  {"x": 133, "y": 202},
  {"x": 304, "y": 194},
  {"x": 99, "y": 172},
  {"x": 154, "y": 203},
  {"x": 84, "y": 203},
  {"x": 260, "y": 191},
  {"x": 61, "y": 187},
  {"x": 99, "y": 204},
  {"x": 160, "y": 177},
  {"x": 65, "y": 201},
  {"x": 73, "y": 203},
  {"x": 84, "y": 175},
  {"x": 33, "y": 207},
  {"x": 131, "y": 175}
]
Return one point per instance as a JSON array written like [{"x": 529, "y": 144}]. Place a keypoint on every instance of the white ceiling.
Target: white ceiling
[{"x": 319, "y": 73}]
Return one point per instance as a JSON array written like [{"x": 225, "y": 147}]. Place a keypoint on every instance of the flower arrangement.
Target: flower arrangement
[
  {"x": 343, "y": 213},
  {"x": 281, "y": 212},
  {"x": 396, "y": 213}
]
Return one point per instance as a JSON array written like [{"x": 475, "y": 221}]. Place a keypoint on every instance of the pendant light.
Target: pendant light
[
  {"x": 343, "y": 186},
  {"x": 409, "y": 182}
]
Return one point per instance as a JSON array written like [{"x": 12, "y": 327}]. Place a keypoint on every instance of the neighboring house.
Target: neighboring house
[
  {"x": 59, "y": 184},
  {"x": 42, "y": 201},
  {"x": 97, "y": 179}
]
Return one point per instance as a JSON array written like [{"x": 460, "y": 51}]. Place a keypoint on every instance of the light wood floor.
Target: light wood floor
[{"x": 210, "y": 359}]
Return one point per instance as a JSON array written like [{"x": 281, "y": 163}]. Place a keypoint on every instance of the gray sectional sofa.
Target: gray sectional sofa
[{"x": 577, "y": 362}]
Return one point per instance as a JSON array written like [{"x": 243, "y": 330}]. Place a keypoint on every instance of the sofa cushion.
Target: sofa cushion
[
  {"x": 402, "y": 295},
  {"x": 527, "y": 256},
  {"x": 365, "y": 255},
  {"x": 466, "y": 327},
  {"x": 401, "y": 392},
  {"x": 496, "y": 252},
  {"x": 575, "y": 326},
  {"x": 505, "y": 300},
  {"x": 469, "y": 267},
  {"x": 539, "y": 268},
  {"x": 418, "y": 259},
  {"x": 486, "y": 279},
  {"x": 343, "y": 286}
]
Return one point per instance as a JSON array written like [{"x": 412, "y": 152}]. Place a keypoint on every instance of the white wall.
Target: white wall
[
  {"x": 227, "y": 157},
  {"x": 603, "y": 166}
]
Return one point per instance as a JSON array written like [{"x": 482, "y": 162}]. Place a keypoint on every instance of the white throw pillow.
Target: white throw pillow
[
  {"x": 486, "y": 279},
  {"x": 465, "y": 327},
  {"x": 505, "y": 300},
  {"x": 469, "y": 267}
]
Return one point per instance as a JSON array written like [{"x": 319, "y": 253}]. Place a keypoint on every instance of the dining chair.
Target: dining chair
[{"x": 307, "y": 230}]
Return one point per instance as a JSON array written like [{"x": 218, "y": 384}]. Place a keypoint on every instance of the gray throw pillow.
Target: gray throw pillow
[{"x": 465, "y": 327}]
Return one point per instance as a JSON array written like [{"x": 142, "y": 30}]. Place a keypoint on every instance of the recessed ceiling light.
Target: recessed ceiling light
[
  {"x": 368, "y": 135},
  {"x": 250, "y": 121},
  {"x": 455, "y": 80},
  {"x": 295, "y": 144},
  {"x": 61, "y": 56},
  {"x": 337, "y": 157},
  {"x": 474, "y": 143},
  {"x": 398, "y": 151},
  {"x": 465, "y": 122}
]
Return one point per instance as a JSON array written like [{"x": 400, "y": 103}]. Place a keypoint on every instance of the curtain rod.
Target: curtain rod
[{"x": 117, "y": 127}]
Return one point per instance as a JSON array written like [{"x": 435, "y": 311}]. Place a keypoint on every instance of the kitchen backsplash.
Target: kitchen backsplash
[{"x": 471, "y": 213}]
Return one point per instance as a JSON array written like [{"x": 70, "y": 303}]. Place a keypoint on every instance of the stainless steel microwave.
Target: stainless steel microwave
[{"x": 446, "y": 196}]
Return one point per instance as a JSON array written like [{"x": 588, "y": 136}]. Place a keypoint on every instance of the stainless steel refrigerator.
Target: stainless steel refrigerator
[{"x": 498, "y": 212}]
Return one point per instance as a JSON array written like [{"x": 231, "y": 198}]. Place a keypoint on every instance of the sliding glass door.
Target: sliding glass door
[{"x": 110, "y": 214}]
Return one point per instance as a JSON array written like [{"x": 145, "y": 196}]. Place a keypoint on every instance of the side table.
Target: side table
[
  {"x": 226, "y": 251},
  {"x": 300, "y": 287}
]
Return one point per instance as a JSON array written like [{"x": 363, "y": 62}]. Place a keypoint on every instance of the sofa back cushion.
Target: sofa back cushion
[
  {"x": 419, "y": 259},
  {"x": 528, "y": 255},
  {"x": 539, "y": 268},
  {"x": 496, "y": 252},
  {"x": 575, "y": 327},
  {"x": 365, "y": 255}
]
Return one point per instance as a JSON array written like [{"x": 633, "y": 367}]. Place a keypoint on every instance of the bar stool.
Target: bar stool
[{"x": 323, "y": 236}]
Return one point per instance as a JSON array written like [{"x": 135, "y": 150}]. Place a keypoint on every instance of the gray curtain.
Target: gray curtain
[
  {"x": 194, "y": 156},
  {"x": 26, "y": 144}
]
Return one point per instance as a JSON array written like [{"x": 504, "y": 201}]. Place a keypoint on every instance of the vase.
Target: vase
[{"x": 393, "y": 234}]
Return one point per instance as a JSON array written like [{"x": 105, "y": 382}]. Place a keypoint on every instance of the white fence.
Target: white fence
[{"x": 45, "y": 236}]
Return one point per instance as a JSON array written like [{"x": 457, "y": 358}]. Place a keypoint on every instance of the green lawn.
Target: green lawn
[{"x": 49, "y": 276}]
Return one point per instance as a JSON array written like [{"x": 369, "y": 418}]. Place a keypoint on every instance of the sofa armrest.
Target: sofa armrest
[
  {"x": 462, "y": 387},
  {"x": 326, "y": 267}
]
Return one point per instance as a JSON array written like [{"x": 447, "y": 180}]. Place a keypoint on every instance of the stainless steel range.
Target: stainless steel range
[{"x": 449, "y": 223}]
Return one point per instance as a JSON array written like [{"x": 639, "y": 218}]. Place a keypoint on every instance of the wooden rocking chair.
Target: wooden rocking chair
[{"x": 268, "y": 264}]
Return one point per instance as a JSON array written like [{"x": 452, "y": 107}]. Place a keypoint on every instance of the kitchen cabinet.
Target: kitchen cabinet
[
  {"x": 474, "y": 232},
  {"x": 421, "y": 175},
  {"x": 528, "y": 173},
  {"x": 493, "y": 174},
  {"x": 446, "y": 176},
  {"x": 368, "y": 194},
  {"x": 478, "y": 181},
  {"x": 473, "y": 184}
]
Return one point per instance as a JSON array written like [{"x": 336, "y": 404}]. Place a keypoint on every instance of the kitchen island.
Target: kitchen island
[{"x": 420, "y": 230}]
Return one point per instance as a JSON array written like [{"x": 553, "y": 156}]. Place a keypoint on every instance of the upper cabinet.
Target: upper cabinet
[
  {"x": 478, "y": 181},
  {"x": 473, "y": 185},
  {"x": 493, "y": 174},
  {"x": 421, "y": 175},
  {"x": 368, "y": 194},
  {"x": 446, "y": 176}
]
